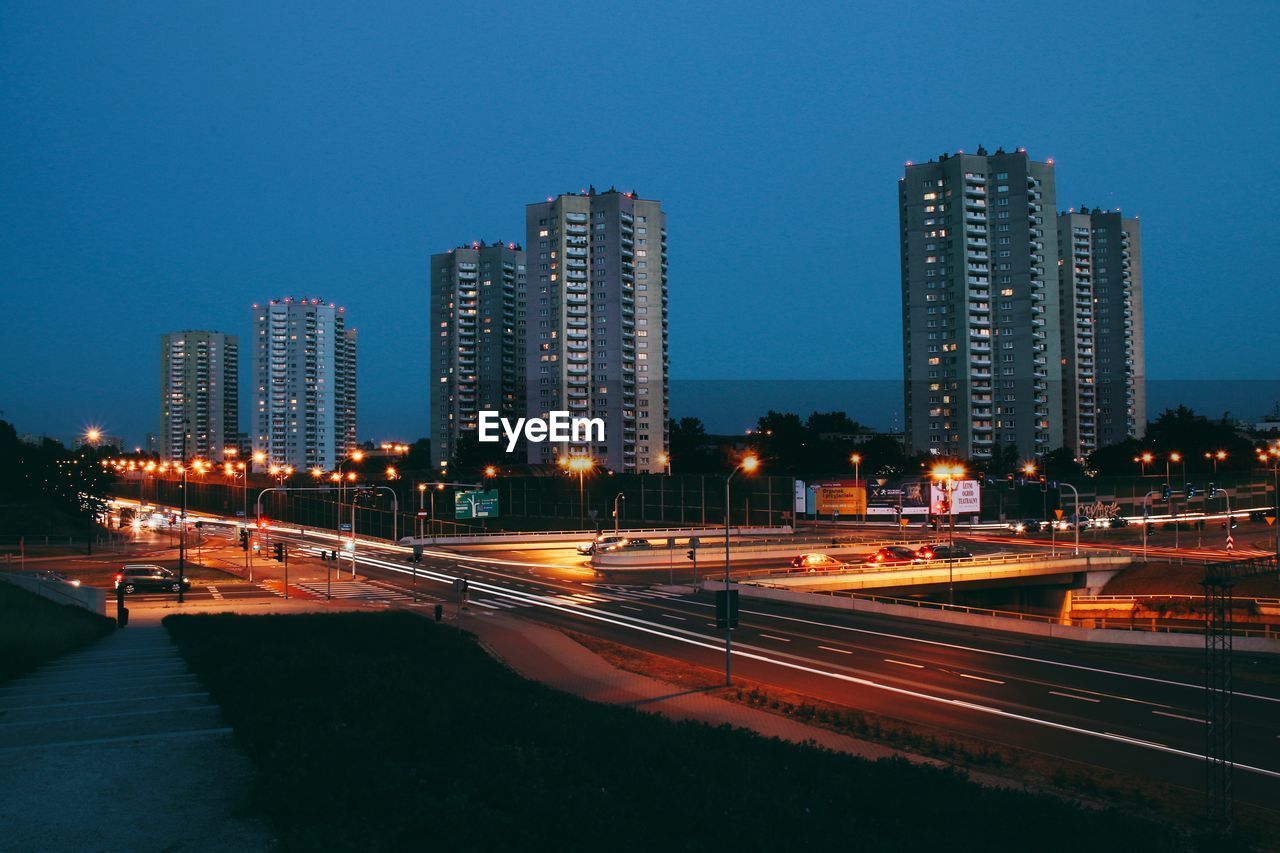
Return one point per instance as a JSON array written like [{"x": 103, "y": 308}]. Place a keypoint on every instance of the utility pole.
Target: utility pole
[{"x": 182, "y": 533}]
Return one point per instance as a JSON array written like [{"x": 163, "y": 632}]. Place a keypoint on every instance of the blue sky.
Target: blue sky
[{"x": 165, "y": 165}]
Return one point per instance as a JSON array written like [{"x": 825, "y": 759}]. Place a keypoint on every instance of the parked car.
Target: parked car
[
  {"x": 154, "y": 578},
  {"x": 817, "y": 563},
  {"x": 943, "y": 551},
  {"x": 892, "y": 554},
  {"x": 600, "y": 543},
  {"x": 54, "y": 577}
]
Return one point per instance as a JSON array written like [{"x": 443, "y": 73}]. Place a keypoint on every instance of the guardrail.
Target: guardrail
[
  {"x": 959, "y": 562},
  {"x": 1153, "y": 626},
  {"x": 1089, "y": 599}
]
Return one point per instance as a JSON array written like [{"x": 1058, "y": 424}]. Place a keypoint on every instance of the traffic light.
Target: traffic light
[
  {"x": 279, "y": 552},
  {"x": 1009, "y": 477},
  {"x": 417, "y": 553},
  {"x": 1044, "y": 483},
  {"x": 244, "y": 540},
  {"x": 1211, "y": 491},
  {"x": 691, "y": 554},
  {"x": 1164, "y": 491},
  {"x": 1191, "y": 491}
]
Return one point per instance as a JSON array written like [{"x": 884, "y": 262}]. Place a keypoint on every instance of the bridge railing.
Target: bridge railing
[{"x": 989, "y": 560}]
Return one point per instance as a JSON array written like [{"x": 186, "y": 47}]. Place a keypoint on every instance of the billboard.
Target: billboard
[
  {"x": 846, "y": 497},
  {"x": 468, "y": 505},
  {"x": 886, "y": 499},
  {"x": 966, "y": 498}
]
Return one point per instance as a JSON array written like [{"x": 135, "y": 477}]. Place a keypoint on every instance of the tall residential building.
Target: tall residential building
[
  {"x": 477, "y": 340},
  {"x": 1100, "y": 285},
  {"x": 597, "y": 325},
  {"x": 980, "y": 313},
  {"x": 304, "y": 388},
  {"x": 199, "y": 393}
]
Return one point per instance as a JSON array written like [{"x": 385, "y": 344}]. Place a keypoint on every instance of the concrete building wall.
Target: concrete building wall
[
  {"x": 597, "y": 324},
  {"x": 199, "y": 393},
  {"x": 981, "y": 353},
  {"x": 477, "y": 340},
  {"x": 304, "y": 383}
]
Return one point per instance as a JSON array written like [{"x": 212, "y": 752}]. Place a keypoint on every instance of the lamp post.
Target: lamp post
[
  {"x": 748, "y": 465},
  {"x": 580, "y": 465},
  {"x": 664, "y": 459},
  {"x": 618, "y": 497},
  {"x": 182, "y": 531},
  {"x": 856, "y": 459},
  {"x": 949, "y": 474},
  {"x": 1219, "y": 456},
  {"x": 1175, "y": 456},
  {"x": 1270, "y": 456},
  {"x": 1075, "y": 517}
]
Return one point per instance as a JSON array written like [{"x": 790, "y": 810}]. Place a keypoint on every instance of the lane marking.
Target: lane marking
[
  {"x": 1073, "y": 696},
  {"x": 979, "y": 678},
  {"x": 1009, "y": 655},
  {"x": 673, "y": 616},
  {"x": 779, "y": 639},
  {"x": 904, "y": 663},
  {"x": 629, "y": 607},
  {"x": 701, "y": 641},
  {"x": 837, "y": 651},
  {"x": 1181, "y": 717}
]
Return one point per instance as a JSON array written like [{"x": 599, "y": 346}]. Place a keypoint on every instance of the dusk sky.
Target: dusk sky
[{"x": 167, "y": 165}]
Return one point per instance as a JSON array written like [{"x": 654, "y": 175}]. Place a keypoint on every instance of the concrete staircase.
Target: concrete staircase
[{"x": 118, "y": 746}]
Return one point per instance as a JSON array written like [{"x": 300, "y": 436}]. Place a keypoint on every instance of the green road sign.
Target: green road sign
[{"x": 467, "y": 505}]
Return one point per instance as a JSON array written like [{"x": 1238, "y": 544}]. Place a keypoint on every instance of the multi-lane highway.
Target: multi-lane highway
[{"x": 1141, "y": 712}]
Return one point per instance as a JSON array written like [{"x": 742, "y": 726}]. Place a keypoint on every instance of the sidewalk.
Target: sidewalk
[
  {"x": 546, "y": 655},
  {"x": 118, "y": 747}
]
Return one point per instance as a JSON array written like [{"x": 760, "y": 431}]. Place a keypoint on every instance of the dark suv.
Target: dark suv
[{"x": 155, "y": 578}]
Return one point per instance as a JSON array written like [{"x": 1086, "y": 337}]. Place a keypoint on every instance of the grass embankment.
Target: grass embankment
[
  {"x": 34, "y": 630},
  {"x": 380, "y": 731}
]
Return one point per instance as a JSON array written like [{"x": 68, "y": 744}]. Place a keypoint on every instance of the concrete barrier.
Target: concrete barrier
[
  {"x": 89, "y": 597},
  {"x": 1008, "y": 624},
  {"x": 939, "y": 572},
  {"x": 711, "y": 551},
  {"x": 567, "y": 538}
]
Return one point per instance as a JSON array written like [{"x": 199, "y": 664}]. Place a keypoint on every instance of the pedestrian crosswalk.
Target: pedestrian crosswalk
[
  {"x": 601, "y": 594},
  {"x": 356, "y": 591}
]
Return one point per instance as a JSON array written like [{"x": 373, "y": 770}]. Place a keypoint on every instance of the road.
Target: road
[{"x": 1119, "y": 709}]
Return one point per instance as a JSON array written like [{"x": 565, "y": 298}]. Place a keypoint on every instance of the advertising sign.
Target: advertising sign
[
  {"x": 846, "y": 497},
  {"x": 966, "y": 497},
  {"x": 800, "y": 495},
  {"x": 911, "y": 496},
  {"x": 468, "y": 505}
]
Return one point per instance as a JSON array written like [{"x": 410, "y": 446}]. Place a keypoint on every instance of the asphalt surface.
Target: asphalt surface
[{"x": 1131, "y": 710}]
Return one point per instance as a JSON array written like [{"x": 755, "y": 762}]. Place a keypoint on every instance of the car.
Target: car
[
  {"x": 54, "y": 577},
  {"x": 817, "y": 563},
  {"x": 892, "y": 554},
  {"x": 627, "y": 545},
  {"x": 136, "y": 578},
  {"x": 1027, "y": 525},
  {"x": 601, "y": 542},
  {"x": 943, "y": 551}
]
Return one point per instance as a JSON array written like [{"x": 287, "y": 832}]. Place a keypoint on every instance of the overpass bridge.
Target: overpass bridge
[{"x": 1088, "y": 571}]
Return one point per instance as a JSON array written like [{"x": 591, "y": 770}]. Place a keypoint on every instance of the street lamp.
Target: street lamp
[
  {"x": 580, "y": 465},
  {"x": 618, "y": 497},
  {"x": 749, "y": 464},
  {"x": 949, "y": 474},
  {"x": 1175, "y": 456},
  {"x": 1144, "y": 459},
  {"x": 1220, "y": 456}
]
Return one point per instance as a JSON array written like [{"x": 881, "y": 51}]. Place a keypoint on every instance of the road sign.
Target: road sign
[
  {"x": 1058, "y": 513},
  {"x": 422, "y": 513},
  {"x": 1271, "y": 519},
  {"x": 475, "y": 504},
  {"x": 239, "y": 513},
  {"x": 727, "y": 608},
  {"x": 345, "y": 527}
]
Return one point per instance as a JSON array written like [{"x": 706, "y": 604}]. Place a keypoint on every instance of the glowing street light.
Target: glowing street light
[
  {"x": 580, "y": 465},
  {"x": 748, "y": 465},
  {"x": 944, "y": 473},
  {"x": 490, "y": 471}
]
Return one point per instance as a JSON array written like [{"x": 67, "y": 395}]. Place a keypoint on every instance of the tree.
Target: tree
[{"x": 1061, "y": 464}]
